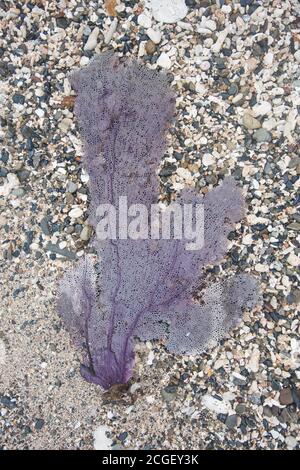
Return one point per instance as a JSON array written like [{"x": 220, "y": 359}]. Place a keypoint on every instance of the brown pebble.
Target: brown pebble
[
  {"x": 285, "y": 396},
  {"x": 150, "y": 47}
]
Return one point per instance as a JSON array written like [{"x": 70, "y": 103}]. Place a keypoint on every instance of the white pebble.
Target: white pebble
[
  {"x": 40, "y": 112},
  {"x": 11, "y": 183},
  {"x": 261, "y": 268},
  {"x": 84, "y": 61},
  {"x": 210, "y": 24},
  {"x": 261, "y": 109},
  {"x": 208, "y": 159},
  {"x": 293, "y": 260},
  {"x": 111, "y": 31},
  {"x": 297, "y": 56},
  {"x": 164, "y": 61},
  {"x": 75, "y": 213},
  {"x": 168, "y": 11},
  {"x": 205, "y": 65},
  {"x": 144, "y": 20},
  {"x": 253, "y": 363},
  {"x": 92, "y": 40},
  {"x": 154, "y": 35},
  {"x": 215, "y": 405}
]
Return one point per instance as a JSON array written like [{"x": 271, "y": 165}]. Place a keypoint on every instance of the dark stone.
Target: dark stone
[
  {"x": 18, "y": 99},
  {"x": 39, "y": 424},
  {"x": 45, "y": 226},
  {"x": 4, "y": 156},
  {"x": 23, "y": 175},
  {"x": 268, "y": 411},
  {"x": 7, "y": 401},
  {"x": 286, "y": 397},
  {"x": 62, "y": 22},
  {"x": 63, "y": 252},
  {"x": 123, "y": 436},
  {"x": 3, "y": 172},
  {"x": 231, "y": 421}
]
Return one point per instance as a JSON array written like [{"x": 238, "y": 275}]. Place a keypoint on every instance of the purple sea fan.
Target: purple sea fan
[{"x": 143, "y": 288}]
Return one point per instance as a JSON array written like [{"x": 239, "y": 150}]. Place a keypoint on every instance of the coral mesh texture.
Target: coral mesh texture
[{"x": 143, "y": 288}]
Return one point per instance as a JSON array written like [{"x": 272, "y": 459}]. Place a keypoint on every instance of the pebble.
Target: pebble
[
  {"x": 208, "y": 159},
  {"x": 215, "y": 405},
  {"x": 71, "y": 187},
  {"x": 262, "y": 135},
  {"x": 154, "y": 35},
  {"x": 92, "y": 40},
  {"x": 164, "y": 61},
  {"x": 285, "y": 396},
  {"x": 108, "y": 35},
  {"x": 291, "y": 442},
  {"x": 261, "y": 109},
  {"x": 76, "y": 212},
  {"x": 144, "y": 20},
  {"x": 253, "y": 363},
  {"x": 60, "y": 251},
  {"x": 250, "y": 122},
  {"x": 150, "y": 47},
  {"x": 231, "y": 421},
  {"x": 205, "y": 65},
  {"x": 101, "y": 441},
  {"x": 293, "y": 260},
  {"x": 169, "y": 393},
  {"x": 11, "y": 183},
  {"x": 86, "y": 232},
  {"x": 2, "y": 352},
  {"x": 168, "y": 11},
  {"x": 297, "y": 56}
]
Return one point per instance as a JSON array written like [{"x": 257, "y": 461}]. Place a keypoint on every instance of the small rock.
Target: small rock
[
  {"x": 253, "y": 363},
  {"x": 101, "y": 441},
  {"x": 168, "y": 11},
  {"x": 262, "y": 135},
  {"x": 39, "y": 424},
  {"x": 262, "y": 108},
  {"x": 208, "y": 159},
  {"x": 285, "y": 396},
  {"x": 233, "y": 89},
  {"x": 231, "y": 421},
  {"x": 23, "y": 175},
  {"x": 169, "y": 393},
  {"x": 164, "y": 61},
  {"x": 75, "y": 213},
  {"x": 60, "y": 251},
  {"x": 144, "y": 20},
  {"x": 294, "y": 226},
  {"x": 297, "y": 56},
  {"x": 86, "y": 233},
  {"x": 215, "y": 405},
  {"x": 45, "y": 227},
  {"x": 108, "y": 35},
  {"x": 291, "y": 441},
  {"x": 205, "y": 65},
  {"x": 18, "y": 99},
  {"x": 210, "y": 24},
  {"x": 92, "y": 40},
  {"x": 150, "y": 47},
  {"x": 154, "y": 35},
  {"x": 11, "y": 183},
  {"x": 65, "y": 124},
  {"x": 2, "y": 352},
  {"x": 250, "y": 122},
  {"x": 71, "y": 187},
  {"x": 293, "y": 260}
]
